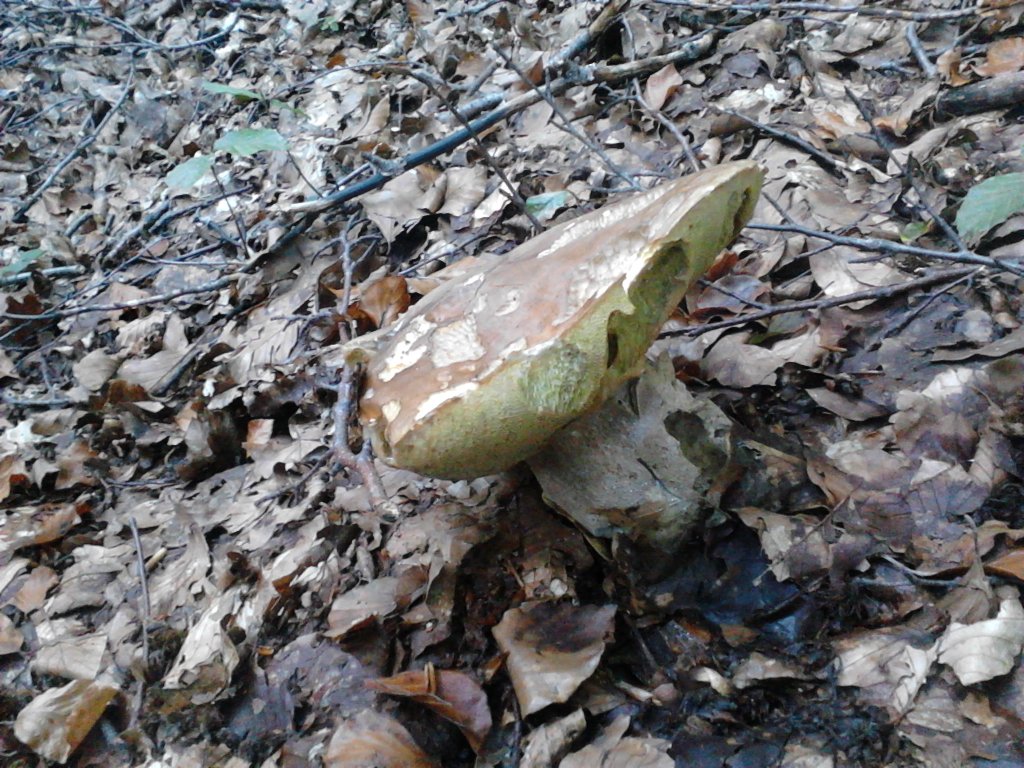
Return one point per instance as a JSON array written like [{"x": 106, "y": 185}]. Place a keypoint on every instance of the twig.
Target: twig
[
  {"x": 1000, "y": 92},
  {"x": 565, "y": 124},
  {"x": 668, "y": 125},
  {"x": 783, "y": 5},
  {"x": 144, "y": 604},
  {"x": 55, "y": 314},
  {"x": 919, "y": 52},
  {"x": 341, "y": 451},
  {"x": 833, "y": 165},
  {"x": 585, "y": 37},
  {"x": 513, "y": 192},
  {"x": 885, "y": 144},
  {"x": 887, "y": 246},
  {"x": 83, "y": 144},
  {"x": 882, "y": 292},
  {"x": 21, "y": 277},
  {"x": 587, "y": 75}
]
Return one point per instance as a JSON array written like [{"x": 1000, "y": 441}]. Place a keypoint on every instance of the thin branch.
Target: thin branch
[
  {"x": 810, "y": 305},
  {"x": 21, "y": 277},
  {"x": 83, "y": 144},
  {"x": 565, "y": 124},
  {"x": 513, "y": 192},
  {"x": 887, "y": 246},
  {"x": 585, "y": 37},
  {"x": 783, "y": 5},
  {"x": 919, "y": 52},
  {"x": 55, "y": 314},
  {"x": 833, "y": 165},
  {"x": 586, "y": 75}
]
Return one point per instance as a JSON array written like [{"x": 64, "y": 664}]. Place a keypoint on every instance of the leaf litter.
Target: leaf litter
[{"x": 186, "y": 578}]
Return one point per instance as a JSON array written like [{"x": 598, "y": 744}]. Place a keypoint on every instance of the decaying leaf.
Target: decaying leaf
[
  {"x": 482, "y": 371},
  {"x": 985, "y": 649},
  {"x": 614, "y": 750},
  {"x": 374, "y": 740},
  {"x": 55, "y": 722},
  {"x": 643, "y": 464},
  {"x": 453, "y": 695},
  {"x": 551, "y": 649}
]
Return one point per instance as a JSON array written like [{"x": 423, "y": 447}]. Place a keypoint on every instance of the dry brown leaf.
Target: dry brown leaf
[
  {"x": 551, "y": 648},
  {"x": 1008, "y": 566},
  {"x": 12, "y": 473},
  {"x": 361, "y": 605},
  {"x": 29, "y": 526},
  {"x": 889, "y": 665},
  {"x": 986, "y": 649},
  {"x": 95, "y": 369},
  {"x": 374, "y": 740},
  {"x": 611, "y": 750},
  {"x": 548, "y": 743},
  {"x": 1002, "y": 56},
  {"x": 11, "y": 638},
  {"x": 384, "y": 300},
  {"x": 455, "y": 696},
  {"x": 55, "y": 722},
  {"x": 661, "y": 85}
]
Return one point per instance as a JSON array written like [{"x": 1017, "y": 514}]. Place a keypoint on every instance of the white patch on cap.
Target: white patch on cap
[
  {"x": 437, "y": 399},
  {"x": 499, "y": 361},
  {"x": 407, "y": 350},
  {"x": 456, "y": 342},
  {"x": 511, "y": 303},
  {"x": 391, "y": 410}
]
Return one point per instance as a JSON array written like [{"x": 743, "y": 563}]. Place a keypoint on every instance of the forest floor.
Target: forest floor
[{"x": 198, "y": 200}]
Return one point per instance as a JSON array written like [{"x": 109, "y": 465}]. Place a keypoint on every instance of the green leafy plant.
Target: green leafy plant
[
  {"x": 988, "y": 204},
  {"x": 21, "y": 262},
  {"x": 243, "y": 143}
]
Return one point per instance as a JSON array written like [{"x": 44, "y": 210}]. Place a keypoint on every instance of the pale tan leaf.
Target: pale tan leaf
[
  {"x": 986, "y": 649},
  {"x": 374, "y": 740},
  {"x": 55, "y": 722},
  {"x": 551, "y": 648}
]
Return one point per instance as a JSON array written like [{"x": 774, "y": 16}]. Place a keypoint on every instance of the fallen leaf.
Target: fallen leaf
[
  {"x": 455, "y": 696},
  {"x": 56, "y": 721},
  {"x": 374, "y": 740},
  {"x": 551, "y": 648},
  {"x": 986, "y": 649}
]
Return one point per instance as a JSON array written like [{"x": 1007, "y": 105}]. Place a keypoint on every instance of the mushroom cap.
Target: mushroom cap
[{"x": 485, "y": 368}]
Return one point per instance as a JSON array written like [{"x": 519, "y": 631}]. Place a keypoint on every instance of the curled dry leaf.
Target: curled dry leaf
[
  {"x": 455, "y": 696},
  {"x": 611, "y": 750},
  {"x": 551, "y": 649},
  {"x": 374, "y": 740},
  {"x": 551, "y": 741},
  {"x": 643, "y": 464},
  {"x": 985, "y": 649},
  {"x": 481, "y": 372},
  {"x": 55, "y": 722}
]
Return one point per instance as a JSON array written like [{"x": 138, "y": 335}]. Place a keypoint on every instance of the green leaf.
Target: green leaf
[
  {"x": 21, "y": 262},
  {"x": 546, "y": 205},
  {"x": 914, "y": 230},
  {"x": 185, "y": 175},
  {"x": 249, "y": 141},
  {"x": 989, "y": 204},
  {"x": 230, "y": 90}
]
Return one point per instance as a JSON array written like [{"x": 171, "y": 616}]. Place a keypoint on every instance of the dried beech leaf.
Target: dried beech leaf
[
  {"x": 374, "y": 740},
  {"x": 55, "y": 722},
  {"x": 551, "y": 648},
  {"x": 455, "y": 696},
  {"x": 985, "y": 649}
]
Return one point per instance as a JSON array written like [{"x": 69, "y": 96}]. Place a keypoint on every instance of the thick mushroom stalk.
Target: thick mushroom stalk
[{"x": 481, "y": 372}]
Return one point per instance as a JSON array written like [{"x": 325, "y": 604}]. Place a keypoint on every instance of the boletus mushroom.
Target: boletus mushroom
[{"x": 482, "y": 371}]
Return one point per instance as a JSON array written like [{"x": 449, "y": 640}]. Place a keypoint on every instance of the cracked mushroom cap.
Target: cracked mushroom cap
[{"x": 483, "y": 370}]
